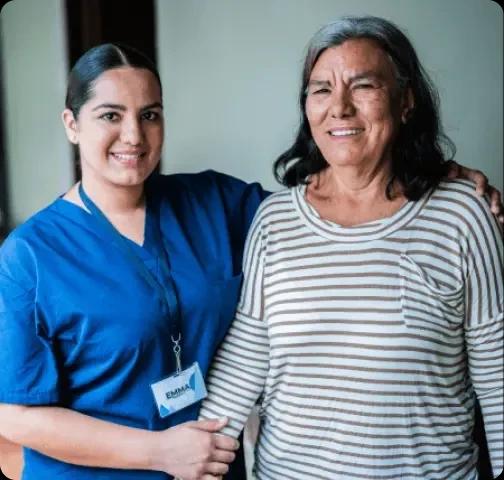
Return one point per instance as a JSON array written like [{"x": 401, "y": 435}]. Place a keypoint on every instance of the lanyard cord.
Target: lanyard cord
[{"x": 166, "y": 292}]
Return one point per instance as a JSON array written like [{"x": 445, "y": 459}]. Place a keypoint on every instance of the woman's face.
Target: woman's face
[
  {"x": 354, "y": 104},
  {"x": 119, "y": 130}
]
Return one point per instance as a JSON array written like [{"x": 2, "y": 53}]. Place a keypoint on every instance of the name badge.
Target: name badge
[{"x": 179, "y": 390}]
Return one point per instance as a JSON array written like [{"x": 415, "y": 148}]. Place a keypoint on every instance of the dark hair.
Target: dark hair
[
  {"x": 96, "y": 61},
  {"x": 421, "y": 148}
]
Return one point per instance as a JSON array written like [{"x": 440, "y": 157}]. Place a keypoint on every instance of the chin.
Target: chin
[
  {"x": 128, "y": 180},
  {"x": 341, "y": 162}
]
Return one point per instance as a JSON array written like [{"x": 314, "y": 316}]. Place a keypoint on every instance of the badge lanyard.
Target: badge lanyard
[{"x": 167, "y": 293}]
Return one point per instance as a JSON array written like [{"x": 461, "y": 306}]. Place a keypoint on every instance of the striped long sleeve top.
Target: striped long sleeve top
[{"x": 367, "y": 346}]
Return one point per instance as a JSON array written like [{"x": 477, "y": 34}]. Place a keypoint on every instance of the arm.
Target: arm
[
  {"x": 484, "y": 330},
  {"x": 30, "y": 397},
  {"x": 240, "y": 368},
  {"x": 188, "y": 450}
]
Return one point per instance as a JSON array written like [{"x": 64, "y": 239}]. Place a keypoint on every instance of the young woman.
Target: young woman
[
  {"x": 94, "y": 287},
  {"x": 100, "y": 290}
]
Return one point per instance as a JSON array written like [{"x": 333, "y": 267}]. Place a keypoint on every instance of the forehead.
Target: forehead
[
  {"x": 352, "y": 57},
  {"x": 126, "y": 85}
]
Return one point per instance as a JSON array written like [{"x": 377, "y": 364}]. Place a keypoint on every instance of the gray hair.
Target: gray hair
[
  {"x": 388, "y": 36},
  {"x": 421, "y": 148}
]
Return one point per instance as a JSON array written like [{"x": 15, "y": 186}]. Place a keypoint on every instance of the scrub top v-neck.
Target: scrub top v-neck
[{"x": 81, "y": 329}]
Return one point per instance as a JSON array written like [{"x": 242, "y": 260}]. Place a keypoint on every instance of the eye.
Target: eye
[
  {"x": 110, "y": 116},
  {"x": 150, "y": 116},
  {"x": 364, "y": 85},
  {"x": 318, "y": 91}
]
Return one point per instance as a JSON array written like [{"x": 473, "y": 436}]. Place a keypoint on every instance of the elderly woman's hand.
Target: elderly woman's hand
[{"x": 482, "y": 186}]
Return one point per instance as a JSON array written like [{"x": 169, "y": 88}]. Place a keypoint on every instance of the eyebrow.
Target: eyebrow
[
  {"x": 319, "y": 83},
  {"x": 357, "y": 76},
  {"x": 366, "y": 74},
  {"x": 117, "y": 106}
]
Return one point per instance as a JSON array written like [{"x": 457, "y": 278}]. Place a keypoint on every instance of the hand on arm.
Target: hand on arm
[
  {"x": 191, "y": 450},
  {"x": 482, "y": 186}
]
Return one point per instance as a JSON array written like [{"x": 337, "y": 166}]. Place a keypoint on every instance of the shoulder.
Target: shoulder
[
  {"x": 210, "y": 191},
  {"x": 18, "y": 251},
  {"x": 206, "y": 181},
  {"x": 459, "y": 198},
  {"x": 277, "y": 206},
  {"x": 457, "y": 203}
]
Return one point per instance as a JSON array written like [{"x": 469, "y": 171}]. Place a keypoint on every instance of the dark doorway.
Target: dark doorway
[{"x": 91, "y": 22}]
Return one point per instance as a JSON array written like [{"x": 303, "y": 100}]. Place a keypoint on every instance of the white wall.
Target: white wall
[
  {"x": 231, "y": 70},
  {"x": 35, "y": 69}
]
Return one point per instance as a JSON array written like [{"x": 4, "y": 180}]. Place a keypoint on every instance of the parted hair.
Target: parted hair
[{"x": 96, "y": 61}]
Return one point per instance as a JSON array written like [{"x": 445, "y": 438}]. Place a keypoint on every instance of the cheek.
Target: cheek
[
  {"x": 155, "y": 135},
  {"x": 314, "y": 114}
]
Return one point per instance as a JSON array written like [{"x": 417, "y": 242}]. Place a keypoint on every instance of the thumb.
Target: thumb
[{"x": 213, "y": 425}]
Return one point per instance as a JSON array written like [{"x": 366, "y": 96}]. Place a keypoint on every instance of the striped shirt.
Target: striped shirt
[{"x": 368, "y": 345}]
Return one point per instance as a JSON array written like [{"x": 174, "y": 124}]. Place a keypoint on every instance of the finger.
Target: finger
[
  {"x": 224, "y": 442},
  {"x": 223, "y": 456},
  {"x": 216, "y": 468},
  {"x": 500, "y": 218},
  {"x": 479, "y": 178},
  {"x": 495, "y": 202},
  {"x": 213, "y": 425}
]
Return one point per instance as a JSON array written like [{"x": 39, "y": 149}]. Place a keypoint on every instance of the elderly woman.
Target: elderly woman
[{"x": 371, "y": 318}]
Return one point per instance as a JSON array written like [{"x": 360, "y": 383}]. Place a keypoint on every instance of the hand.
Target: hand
[
  {"x": 482, "y": 186},
  {"x": 194, "y": 451}
]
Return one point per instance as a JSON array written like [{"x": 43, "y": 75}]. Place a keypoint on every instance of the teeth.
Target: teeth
[
  {"x": 122, "y": 156},
  {"x": 343, "y": 133}
]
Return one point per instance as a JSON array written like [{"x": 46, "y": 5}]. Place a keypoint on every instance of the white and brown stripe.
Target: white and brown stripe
[{"x": 367, "y": 344}]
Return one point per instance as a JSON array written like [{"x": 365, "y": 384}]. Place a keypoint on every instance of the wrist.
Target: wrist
[{"x": 150, "y": 451}]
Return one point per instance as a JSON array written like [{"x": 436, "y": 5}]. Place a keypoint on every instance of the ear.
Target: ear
[
  {"x": 70, "y": 124},
  {"x": 407, "y": 105}
]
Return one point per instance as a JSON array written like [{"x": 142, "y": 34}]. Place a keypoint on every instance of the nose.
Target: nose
[
  {"x": 342, "y": 105},
  {"x": 132, "y": 131}
]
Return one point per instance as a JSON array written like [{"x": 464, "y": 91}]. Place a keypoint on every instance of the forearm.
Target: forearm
[
  {"x": 75, "y": 438},
  {"x": 238, "y": 374},
  {"x": 486, "y": 368}
]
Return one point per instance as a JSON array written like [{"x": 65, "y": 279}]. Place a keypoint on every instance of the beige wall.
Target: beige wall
[
  {"x": 34, "y": 66},
  {"x": 231, "y": 71}
]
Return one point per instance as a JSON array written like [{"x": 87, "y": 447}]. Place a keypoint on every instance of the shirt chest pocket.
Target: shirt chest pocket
[{"x": 429, "y": 304}]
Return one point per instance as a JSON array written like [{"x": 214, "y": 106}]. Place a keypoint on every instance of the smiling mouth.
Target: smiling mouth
[
  {"x": 128, "y": 156},
  {"x": 347, "y": 132},
  {"x": 128, "y": 160}
]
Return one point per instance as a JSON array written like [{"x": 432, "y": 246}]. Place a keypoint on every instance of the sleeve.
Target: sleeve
[
  {"x": 241, "y": 202},
  {"x": 240, "y": 367},
  {"x": 28, "y": 373},
  {"x": 484, "y": 328}
]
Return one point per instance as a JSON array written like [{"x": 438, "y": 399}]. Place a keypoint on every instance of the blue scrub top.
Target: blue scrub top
[{"x": 81, "y": 329}]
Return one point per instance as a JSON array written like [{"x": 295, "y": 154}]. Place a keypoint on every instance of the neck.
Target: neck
[
  {"x": 361, "y": 184},
  {"x": 115, "y": 199}
]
